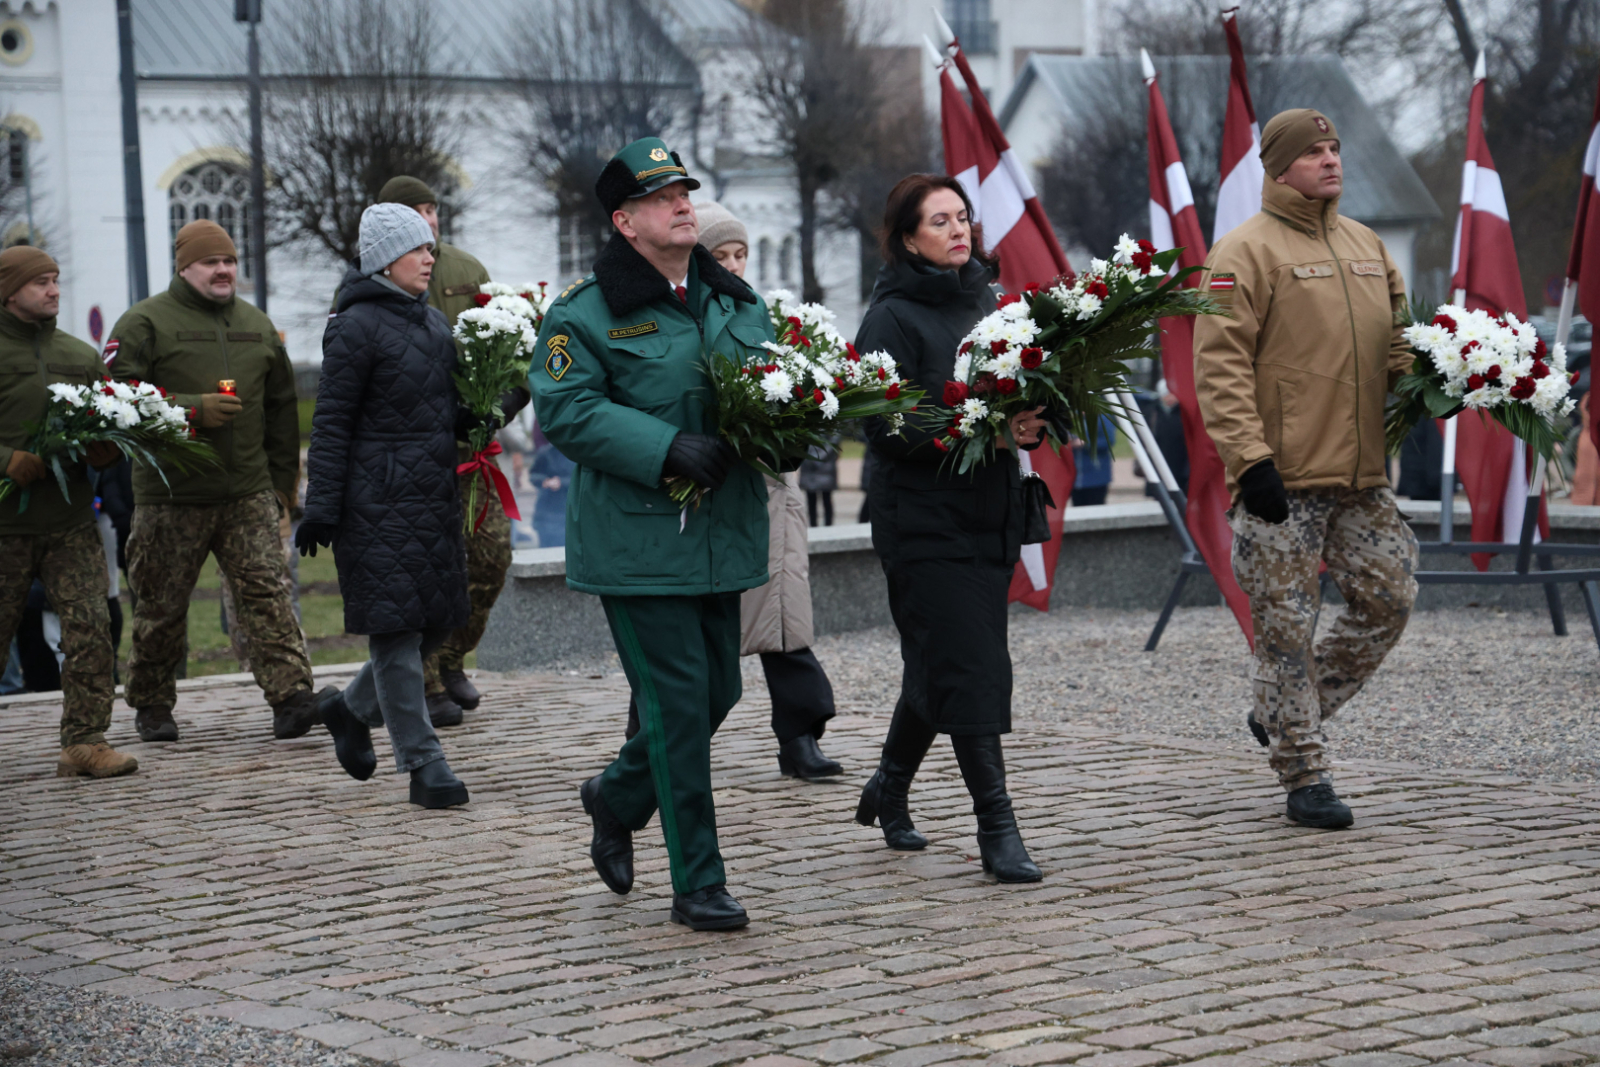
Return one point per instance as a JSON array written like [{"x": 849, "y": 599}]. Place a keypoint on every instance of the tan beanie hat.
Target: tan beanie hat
[
  {"x": 202, "y": 238},
  {"x": 1291, "y": 133},
  {"x": 718, "y": 226},
  {"x": 21, "y": 264},
  {"x": 404, "y": 189}
]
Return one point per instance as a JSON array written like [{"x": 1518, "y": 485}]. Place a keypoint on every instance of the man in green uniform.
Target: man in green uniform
[
  {"x": 457, "y": 280},
  {"x": 55, "y": 538},
  {"x": 189, "y": 340},
  {"x": 620, "y": 387}
]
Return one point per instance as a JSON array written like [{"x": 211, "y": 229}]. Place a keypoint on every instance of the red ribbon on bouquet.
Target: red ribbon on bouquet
[{"x": 494, "y": 479}]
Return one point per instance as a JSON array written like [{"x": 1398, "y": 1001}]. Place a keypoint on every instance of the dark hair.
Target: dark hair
[{"x": 903, "y": 214}]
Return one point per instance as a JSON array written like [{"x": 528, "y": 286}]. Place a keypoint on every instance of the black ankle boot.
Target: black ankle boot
[
  {"x": 885, "y": 797},
  {"x": 800, "y": 757},
  {"x": 983, "y": 768},
  {"x": 434, "y": 785},
  {"x": 352, "y": 739}
]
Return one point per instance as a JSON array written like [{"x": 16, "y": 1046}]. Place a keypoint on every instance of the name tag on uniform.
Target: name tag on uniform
[
  {"x": 197, "y": 335},
  {"x": 639, "y": 330},
  {"x": 1316, "y": 270},
  {"x": 461, "y": 290},
  {"x": 242, "y": 335},
  {"x": 1371, "y": 267}
]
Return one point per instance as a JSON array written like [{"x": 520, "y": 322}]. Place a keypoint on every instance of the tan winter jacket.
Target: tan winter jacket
[
  {"x": 1300, "y": 373},
  {"x": 776, "y": 617}
]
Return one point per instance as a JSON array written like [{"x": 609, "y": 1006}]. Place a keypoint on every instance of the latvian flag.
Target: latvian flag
[{"x": 1239, "y": 195}]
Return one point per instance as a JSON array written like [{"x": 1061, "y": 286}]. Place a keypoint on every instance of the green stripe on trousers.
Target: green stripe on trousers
[{"x": 681, "y": 655}]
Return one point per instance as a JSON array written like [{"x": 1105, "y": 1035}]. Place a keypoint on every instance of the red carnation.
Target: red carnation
[
  {"x": 1574, "y": 379},
  {"x": 481, "y": 299},
  {"x": 526, "y": 296},
  {"x": 1468, "y": 347},
  {"x": 1006, "y": 386},
  {"x": 883, "y": 375},
  {"x": 966, "y": 346},
  {"x": 793, "y": 321},
  {"x": 997, "y": 347},
  {"x": 1493, "y": 373},
  {"x": 1540, "y": 350},
  {"x": 985, "y": 384},
  {"x": 1032, "y": 357},
  {"x": 1475, "y": 381},
  {"x": 799, "y": 393},
  {"x": 850, "y": 353},
  {"x": 1523, "y": 389},
  {"x": 1446, "y": 321},
  {"x": 1142, "y": 261},
  {"x": 816, "y": 394},
  {"x": 892, "y": 392},
  {"x": 770, "y": 367},
  {"x": 954, "y": 393},
  {"x": 838, "y": 382},
  {"x": 1097, "y": 288},
  {"x": 1031, "y": 287},
  {"x": 938, "y": 442},
  {"x": 1540, "y": 370},
  {"x": 1008, "y": 299},
  {"x": 1146, "y": 246}
]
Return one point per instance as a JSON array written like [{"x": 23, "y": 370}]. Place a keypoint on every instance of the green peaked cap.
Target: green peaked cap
[{"x": 639, "y": 168}]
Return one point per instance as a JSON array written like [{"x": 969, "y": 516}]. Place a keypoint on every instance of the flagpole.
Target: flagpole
[
  {"x": 1569, "y": 299},
  {"x": 1447, "y": 475}
]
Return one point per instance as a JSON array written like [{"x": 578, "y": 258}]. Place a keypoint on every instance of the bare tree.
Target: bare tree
[
  {"x": 358, "y": 102},
  {"x": 815, "y": 82},
  {"x": 594, "y": 76}
]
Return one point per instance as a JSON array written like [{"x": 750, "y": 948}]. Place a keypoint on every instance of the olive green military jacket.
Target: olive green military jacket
[
  {"x": 186, "y": 343},
  {"x": 457, "y": 279},
  {"x": 34, "y": 356},
  {"x": 620, "y": 369}
]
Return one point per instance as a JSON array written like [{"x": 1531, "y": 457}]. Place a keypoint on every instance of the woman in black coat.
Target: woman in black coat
[
  {"x": 382, "y": 492},
  {"x": 947, "y": 542}
]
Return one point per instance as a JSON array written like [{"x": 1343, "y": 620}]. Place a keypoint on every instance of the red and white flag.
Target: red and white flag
[
  {"x": 978, "y": 155},
  {"x": 1239, "y": 195},
  {"x": 1175, "y": 224},
  {"x": 1484, "y": 268},
  {"x": 1586, "y": 238}
]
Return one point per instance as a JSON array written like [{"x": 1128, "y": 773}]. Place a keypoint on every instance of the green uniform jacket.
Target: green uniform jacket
[
  {"x": 186, "y": 343},
  {"x": 34, "y": 355},
  {"x": 457, "y": 277},
  {"x": 620, "y": 369}
]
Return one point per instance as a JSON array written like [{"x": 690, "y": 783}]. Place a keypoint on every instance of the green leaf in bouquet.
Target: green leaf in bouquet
[{"x": 1441, "y": 405}]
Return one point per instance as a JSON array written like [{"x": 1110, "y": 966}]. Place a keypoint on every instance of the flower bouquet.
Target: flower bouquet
[
  {"x": 497, "y": 340},
  {"x": 134, "y": 416},
  {"x": 1061, "y": 348},
  {"x": 1472, "y": 360},
  {"x": 814, "y": 379}
]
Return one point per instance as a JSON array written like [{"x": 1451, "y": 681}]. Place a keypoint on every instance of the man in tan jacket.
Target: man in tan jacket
[{"x": 1292, "y": 387}]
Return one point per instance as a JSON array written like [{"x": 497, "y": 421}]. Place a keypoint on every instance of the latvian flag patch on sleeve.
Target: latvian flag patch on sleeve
[
  {"x": 1222, "y": 283},
  {"x": 110, "y": 353}
]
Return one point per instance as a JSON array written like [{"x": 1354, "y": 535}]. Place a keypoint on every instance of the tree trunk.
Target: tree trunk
[{"x": 810, "y": 288}]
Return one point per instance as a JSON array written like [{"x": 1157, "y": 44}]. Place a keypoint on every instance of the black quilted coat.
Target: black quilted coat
[{"x": 382, "y": 464}]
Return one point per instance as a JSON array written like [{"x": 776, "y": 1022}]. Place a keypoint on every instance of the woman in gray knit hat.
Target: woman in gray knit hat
[{"x": 382, "y": 492}]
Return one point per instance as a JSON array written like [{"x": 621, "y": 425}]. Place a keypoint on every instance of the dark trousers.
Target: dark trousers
[
  {"x": 802, "y": 696},
  {"x": 388, "y": 691},
  {"x": 681, "y": 656},
  {"x": 826, "y": 497},
  {"x": 1089, "y": 496}
]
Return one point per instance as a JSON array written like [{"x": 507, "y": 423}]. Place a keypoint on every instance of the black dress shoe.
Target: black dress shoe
[
  {"x": 884, "y": 800},
  {"x": 443, "y": 711},
  {"x": 295, "y": 716},
  {"x": 434, "y": 785},
  {"x": 1257, "y": 729},
  {"x": 611, "y": 848},
  {"x": 352, "y": 740},
  {"x": 155, "y": 724},
  {"x": 801, "y": 758},
  {"x": 1319, "y": 807},
  {"x": 710, "y": 908},
  {"x": 461, "y": 689}
]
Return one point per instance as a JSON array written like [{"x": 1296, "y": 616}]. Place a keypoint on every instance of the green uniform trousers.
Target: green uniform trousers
[
  {"x": 72, "y": 565},
  {"x": 166, "y": 549},
  {"x": 681, "y": 655},
  {"x": 488, "y": 559}
]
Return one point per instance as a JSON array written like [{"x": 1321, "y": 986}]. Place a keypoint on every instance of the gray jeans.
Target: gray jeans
[{"x": 388, "y": 692}]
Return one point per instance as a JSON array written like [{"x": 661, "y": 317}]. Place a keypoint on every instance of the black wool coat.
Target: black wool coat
[
  {"x": 382, "y": 464},
  {"x": 920, "y": 508}
]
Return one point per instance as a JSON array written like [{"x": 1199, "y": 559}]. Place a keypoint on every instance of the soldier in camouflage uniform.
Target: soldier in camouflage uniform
[
  {"x": 188, "y": 340},
  {"x": 1292, "y": 384},
  {"x": 55, "y": 539},
  {"x": 457, "y": 280}
]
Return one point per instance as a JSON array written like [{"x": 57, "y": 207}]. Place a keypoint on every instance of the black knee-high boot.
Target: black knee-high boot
[
  {"x": 884, "y": 798},
  {"x": 983, "y": 768}
]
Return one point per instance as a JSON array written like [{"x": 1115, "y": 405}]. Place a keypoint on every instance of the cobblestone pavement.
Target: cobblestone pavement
[{"x": 1181, "y": 919}]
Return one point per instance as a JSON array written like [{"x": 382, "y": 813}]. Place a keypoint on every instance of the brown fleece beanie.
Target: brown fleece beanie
[
  {"x": 406, "y": 190},
  {"x": 21, "y": 264},
  {"x": 202, "y": 238},
  {"x": 1290, "y": 133}
]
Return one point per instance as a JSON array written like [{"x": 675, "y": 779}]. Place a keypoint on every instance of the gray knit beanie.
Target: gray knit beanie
[
  {"x": 718, "y": 226},
  {"x": 389, "y": 231}
]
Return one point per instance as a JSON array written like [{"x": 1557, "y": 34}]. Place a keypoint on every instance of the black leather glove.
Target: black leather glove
[
  {"x": 1262, "y": 493},
  {"x": 311, "y": 534},
  {"x": 511, "y": 401},
  {"x": 703, "y": 459}
]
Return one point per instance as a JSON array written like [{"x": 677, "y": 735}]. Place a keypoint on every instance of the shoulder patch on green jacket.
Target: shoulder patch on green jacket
[
  {"x": 558, "y": 361},
  {"x": 574, "y": 287},
  {"x": 636, "y": 330}
]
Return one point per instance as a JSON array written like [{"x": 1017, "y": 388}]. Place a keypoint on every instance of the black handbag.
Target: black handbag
[{"x": 1036, "y": 502}]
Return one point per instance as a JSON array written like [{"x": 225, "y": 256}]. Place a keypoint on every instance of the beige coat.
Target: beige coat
[
  {"x": 776, "y": 617},
  {"x": 1300, "y": 373}
]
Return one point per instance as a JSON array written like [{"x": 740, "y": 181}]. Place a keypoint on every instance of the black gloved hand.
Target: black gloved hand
[
  {"x": 311, "y": 534},
  {"x": 703, "y": 459},
  {"x": 510, "y": 402},
  {"x": 1262, "y": 493}
]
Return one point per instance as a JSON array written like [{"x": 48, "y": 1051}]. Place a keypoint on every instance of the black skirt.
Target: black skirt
[{"x": 952, "y": 617}]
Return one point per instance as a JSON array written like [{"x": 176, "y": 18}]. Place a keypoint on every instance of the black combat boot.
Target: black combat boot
[
  {"x": 800, "y": 757},
  {"x": 352, "y": 740},
  {"x": 711, "y": 908},
  {"x": 886, "y": 796},
  {"x": 295, "y": 715},
  {"x": 443, "y": 711},
  {"x": 461, "y": 689},
  {"x": 1318, "y": 806},
  {"x": 155, "y": 724},
  {"x": 611, "y": 847},
  {"x": 983, "y": 768},
  {"x": 434, "y": 785}
]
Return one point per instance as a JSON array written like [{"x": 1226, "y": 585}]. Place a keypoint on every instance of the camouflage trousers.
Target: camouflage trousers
[
  {"x": 72, "y": 566},
  {"x": 1371, "y": 555},
  {"x": 488, "y": 559},
  {"x": 238, "y": 636},
  {"x": 166, "y": 549}
]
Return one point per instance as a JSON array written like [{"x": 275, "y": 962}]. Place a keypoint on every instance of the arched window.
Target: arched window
[
  {"x": 221, "y": 193},
  {"x": 764, "y": 260},
  {"x": 786, "y": 260}
]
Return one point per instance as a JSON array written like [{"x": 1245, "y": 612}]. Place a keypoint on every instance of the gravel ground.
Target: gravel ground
[
  {"x": 1471, "y": 688},
  {"x": 45, "y": 1025}
]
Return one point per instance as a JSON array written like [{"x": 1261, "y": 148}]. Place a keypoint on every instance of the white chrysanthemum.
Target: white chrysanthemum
[
  {"x": 780, "y": 298},
  {"x": 777, "y": 385},
  {"x": 975, "y": 408},
  {"x": 963, "y": 368},
  {"x": 1126, "y": 247},
  {"x": 1016, "y": 310},
  {"x": 830, "y": 404},
  {"x": 1008, "y": 363},
  {"x": 71, "y": 394},
  {"x": 1088, "y": 306},
  {"x": 1096, "y": 266}
]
